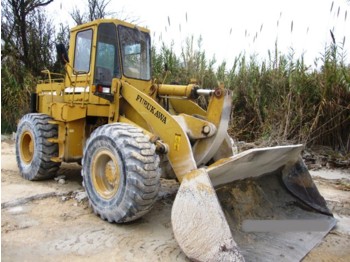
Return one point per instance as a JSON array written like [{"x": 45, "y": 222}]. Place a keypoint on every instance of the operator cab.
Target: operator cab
[
  {"x": 132, "y": 60},
  {"x": 102, "y": 50}
]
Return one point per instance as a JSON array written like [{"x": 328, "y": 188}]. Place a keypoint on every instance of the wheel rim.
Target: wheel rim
[
  {"x": 27, "y": 147},
  {"x": 105, "y": 173}
]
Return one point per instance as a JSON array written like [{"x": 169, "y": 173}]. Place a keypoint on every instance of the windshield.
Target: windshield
[{"x": 135, "y": 49}]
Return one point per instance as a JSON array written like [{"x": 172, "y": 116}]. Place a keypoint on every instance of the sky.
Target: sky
[{"x": 229, "y": 28}]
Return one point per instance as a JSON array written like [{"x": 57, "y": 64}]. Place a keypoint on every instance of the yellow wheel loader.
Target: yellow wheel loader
[{"x": 127, "y": 129}]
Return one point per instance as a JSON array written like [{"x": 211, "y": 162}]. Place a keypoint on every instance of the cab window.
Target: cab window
[
  {"x": 107, "y": 57},
  {"x": 82, "y": 57},
  {"x": 135, "y": 50}
]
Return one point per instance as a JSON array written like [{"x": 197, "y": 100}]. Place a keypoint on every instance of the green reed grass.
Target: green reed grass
[{"x": 277, "y": 100}]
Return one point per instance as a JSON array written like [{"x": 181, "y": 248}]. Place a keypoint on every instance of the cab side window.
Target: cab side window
[{"x": 82, "y": 57}]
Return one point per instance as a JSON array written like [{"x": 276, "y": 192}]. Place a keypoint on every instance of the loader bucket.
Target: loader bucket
[{"x": 265, "y": 207}]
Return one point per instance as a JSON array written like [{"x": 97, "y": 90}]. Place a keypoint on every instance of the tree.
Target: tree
[
  {"x": 26, "y": 49},
  {"x": 16, "y": 27},
  {"x": 96, "y": 10}
]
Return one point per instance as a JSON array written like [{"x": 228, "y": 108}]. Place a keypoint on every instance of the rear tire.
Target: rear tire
[
  {"x": 33, "y": 150},
  {"x": 120, "y": 172}
]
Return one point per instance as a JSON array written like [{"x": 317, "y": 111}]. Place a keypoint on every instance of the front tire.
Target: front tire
[
  {"x": 33, "y": 150},
  {"x": 120, "y": 172}
]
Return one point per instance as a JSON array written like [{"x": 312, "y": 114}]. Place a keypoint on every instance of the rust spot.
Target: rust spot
[{"x": 204, "y": 187}]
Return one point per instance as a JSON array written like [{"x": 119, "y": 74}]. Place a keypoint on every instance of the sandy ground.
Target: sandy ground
[{"x": 51, "y": 220}]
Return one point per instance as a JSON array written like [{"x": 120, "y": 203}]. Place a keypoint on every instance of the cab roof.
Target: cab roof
[{"x": 115, "y": 21}]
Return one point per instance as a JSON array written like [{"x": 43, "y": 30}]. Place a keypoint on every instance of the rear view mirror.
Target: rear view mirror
[{"x": 62, "y": 53}]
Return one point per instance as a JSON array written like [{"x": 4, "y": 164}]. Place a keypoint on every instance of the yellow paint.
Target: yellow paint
[
  {"x": 213, "y": 114},
  {"x": 98, "y": 110},
  {"x": 195, "y": 127},
  {"x": 187, "y": 107},
  {"x": 105, "y": 173},
  {"x": 74, "y": 140},
  {"x": 175, "y": 90},
  {"x": 113, "y": 113},
  {"x": 162, "y": 124},
  {"x": 26, "y": 145},
  {"x": 177, "y": 142},
  {"x": 65, "y": 112}
]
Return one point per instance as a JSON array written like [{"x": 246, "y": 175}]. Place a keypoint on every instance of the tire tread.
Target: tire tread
[
  {"x": 142, "y": 172},
  {"x": 41, "y": 166}
]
